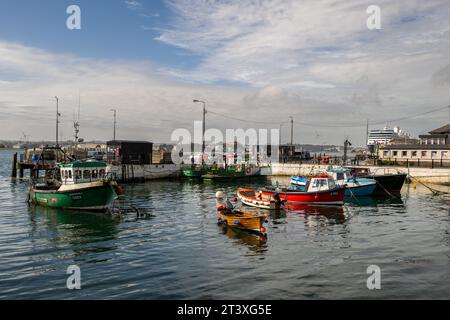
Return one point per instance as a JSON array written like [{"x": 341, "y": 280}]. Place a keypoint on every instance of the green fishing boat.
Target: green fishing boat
[
  {"x": 232, "y": 172},
  {"x": 79, "y": 185},
  {"x": 194, "y": 171}
]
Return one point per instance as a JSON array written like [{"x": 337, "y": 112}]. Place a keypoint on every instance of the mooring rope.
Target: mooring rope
[
  {"x": 386, "y": 190},
  {"x": 353, "y": 196},
  {"x": 434, "y": 191}
]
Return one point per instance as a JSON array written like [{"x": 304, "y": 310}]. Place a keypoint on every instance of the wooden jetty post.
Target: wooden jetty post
[
  {"x": 21, "y": 169},
  {"x": 14, "y": 166}
]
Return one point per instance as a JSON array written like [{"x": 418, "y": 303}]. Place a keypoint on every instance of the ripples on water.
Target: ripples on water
[{"x": 180, "y": 252}]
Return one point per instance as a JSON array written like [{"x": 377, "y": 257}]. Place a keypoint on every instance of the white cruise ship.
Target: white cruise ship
[{"x": 384, "y": 136}]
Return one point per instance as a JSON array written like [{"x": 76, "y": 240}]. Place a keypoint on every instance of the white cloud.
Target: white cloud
[
  {"x": 315, "y": 60},
  {"x": 133, "y": 5},
  {"x": 322, "y": 51}
]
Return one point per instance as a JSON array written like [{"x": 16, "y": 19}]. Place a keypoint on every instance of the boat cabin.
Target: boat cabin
[
  {"x": 340, "y": 175},
  {"x": 320, "y": 183},
  {"x": 82, "y": 172}
]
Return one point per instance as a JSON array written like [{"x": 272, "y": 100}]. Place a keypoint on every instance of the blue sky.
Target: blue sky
[
  {"x": 110, "y": 29},
  {"x": 261, "y": 61}
]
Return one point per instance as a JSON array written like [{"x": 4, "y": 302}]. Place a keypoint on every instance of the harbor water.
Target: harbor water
[{"x": 180, "y": 252}]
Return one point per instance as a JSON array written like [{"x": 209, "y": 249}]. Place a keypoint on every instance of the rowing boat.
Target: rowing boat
[
  {"x": 243, "y": 220},
  {"x": 251, "y": 198}
]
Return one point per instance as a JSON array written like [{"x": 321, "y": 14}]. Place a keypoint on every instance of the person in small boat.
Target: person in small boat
[{"x": 228, "y": 205}]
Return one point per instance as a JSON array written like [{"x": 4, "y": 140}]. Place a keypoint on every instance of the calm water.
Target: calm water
[{"x": 180, "y": 252}]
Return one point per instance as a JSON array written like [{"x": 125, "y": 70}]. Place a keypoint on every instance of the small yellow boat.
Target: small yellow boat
[{"x": 243, "y": 220}]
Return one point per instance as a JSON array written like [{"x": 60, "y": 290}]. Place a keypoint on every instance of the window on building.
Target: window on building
[
  {"x": 404, "y": 153},
  {"x": 414, "y": 154},
  {"x": 385, "y": 153},
  {"x": 433, "y": 154},
  {"x": 395, "y": 153},
  {"x": 423, "y": 154},
  {"x": 444, "y": 154}
]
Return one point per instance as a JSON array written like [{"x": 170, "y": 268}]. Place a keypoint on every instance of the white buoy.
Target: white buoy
[{"x": 219, "y": 195}]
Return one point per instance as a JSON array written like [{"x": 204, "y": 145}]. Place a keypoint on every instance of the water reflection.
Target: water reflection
[
  {"x": 86, "y": 233},
  {"x": 335, "y": 213},
  {"x": 256, "y": 243},
  {"x": 375, "y": 201}
]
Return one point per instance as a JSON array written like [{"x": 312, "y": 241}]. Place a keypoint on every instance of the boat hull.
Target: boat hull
[
  {"x": 244, "y": 221},
  {"x": 96, "y": 198},
  {"x": 249, "y": 198},
  {"x": 360, "y": 191},
  {"x": 335, "y": 196},
  {"x": 389, "y": 182},
  {"x": 231, "y": 173},
  {"x": 191, "y": 173}
]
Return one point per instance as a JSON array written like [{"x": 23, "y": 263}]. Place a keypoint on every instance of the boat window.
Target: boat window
[
  {"x": 86, "y": 174},
  {"x": 340, "y": 176},
  {"x": 77, "y": 174},
  {"x": 94, "y": 174},
  {"x": 331, "y": 184},
  {"x": 65, "y": 174},
  {"x": 70, "y": 174},
  {"x": 320, "y": 183},
  {"x": 101, "y": 173}
]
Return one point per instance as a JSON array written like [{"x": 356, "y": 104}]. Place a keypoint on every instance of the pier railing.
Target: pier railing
[{"x": 421, "y": 163}]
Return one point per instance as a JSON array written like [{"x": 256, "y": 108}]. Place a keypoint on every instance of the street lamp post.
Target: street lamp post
[
  {"x": 57, "y": 120},
  {"x": 279, "y": 135},
  {"x": 114, "y": 128},
  {"x": 292, "y": 130},
  {"x": 203, "y": 128}
]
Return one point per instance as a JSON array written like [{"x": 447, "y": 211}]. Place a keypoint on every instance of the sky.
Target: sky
[{"x": 254, "y": 62}]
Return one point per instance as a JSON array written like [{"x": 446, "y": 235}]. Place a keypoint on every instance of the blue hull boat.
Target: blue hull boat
[{"x": 360, "y": 188}]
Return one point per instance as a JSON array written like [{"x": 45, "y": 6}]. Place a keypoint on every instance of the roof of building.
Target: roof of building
[
  {"x": 416, "y": 147},
  {"x": 436, "y": 135},
  {"x": 83, "y": 164},
  {"x": 441, "y": 130},
  {"x": 128, "y": 141}
]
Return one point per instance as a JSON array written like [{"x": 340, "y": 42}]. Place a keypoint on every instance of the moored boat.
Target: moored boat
[
  {"x": 242, "y": 220},
  {"x": 75, "y": 185},
  {"x": 251, "y": 198},
  {"x": 354, "y": 186},
  {"x": 193, "y": 171},
  {"x": 233, "y": 172},
  {"x": 386, "y": 181},
  {"x": 320, "y": 189}
]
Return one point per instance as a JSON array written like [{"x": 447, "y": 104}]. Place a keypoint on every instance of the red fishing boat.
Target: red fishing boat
[{"x": 320, "y": 189}]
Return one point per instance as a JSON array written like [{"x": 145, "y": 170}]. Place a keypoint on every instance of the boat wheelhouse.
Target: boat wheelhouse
[
  {"x": 82, "y": 172},
  {"x": 354, "y": 186}
]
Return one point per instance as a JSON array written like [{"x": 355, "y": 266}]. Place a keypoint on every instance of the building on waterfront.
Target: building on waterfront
[
  {"x": 433, "y": 148},
  {"x": 130, "y": 152}
]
